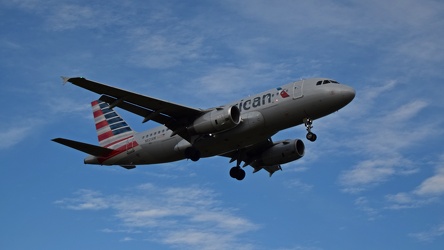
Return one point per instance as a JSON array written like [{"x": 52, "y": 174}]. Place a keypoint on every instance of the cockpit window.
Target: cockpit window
[{"x": 326, "y": 82}]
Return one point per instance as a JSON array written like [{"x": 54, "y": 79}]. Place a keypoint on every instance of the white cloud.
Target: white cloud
[
  {"x": 363, "y": 204},
  {"x": 407, "y": 201},
  {"x": 126, "y": 239},
  {"x": 66, "y": 105},
  {"x": 429, "y": 191},
  {"x": 382, "y": 139},
  {"x": 386, "y": 122},
  {"x": 127, "y": 231},
  {"x": 85, "y": 200},
  {"x": 367, "y": 173},
  {"x": 394, "y": 130},
  {"x": 344, "y": 19},
  {"x": 429, "y": 235},
  {"x": 301, "y": 248},
  {"x": 298, "y": 185},
  {"x": 406, "y": 46},
  {"x": 196, "y": 239},
  {"x": 61, "y": 16},
  {"x": 433, "y": 186},
  {"x": 163, "y": 49},
  {"x": 191, "y": 217},
  {"x": 69, "y": 16},
  {"x": 20, "y": 131},
  {"x": 12, "y": 136},
  {"x": 225, "y": 83},
  {"x": 370, "y": 93}
]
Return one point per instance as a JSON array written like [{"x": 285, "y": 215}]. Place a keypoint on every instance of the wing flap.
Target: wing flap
[{"x": 84, "y": 147}]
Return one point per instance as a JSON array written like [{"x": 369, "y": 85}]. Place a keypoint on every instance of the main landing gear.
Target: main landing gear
[
  {"x": 192, "y": 154},
  {"x": 310, "y": 135},
  {"x": 237, "y": 173}
]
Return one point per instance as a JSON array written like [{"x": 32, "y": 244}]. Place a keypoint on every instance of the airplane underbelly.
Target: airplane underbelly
[
  {"x": 252, "y": 130},
  {"x": 160, "y": 152},
  {"x": 218, "y": 147},
  {"x": 149, "y": 153}
]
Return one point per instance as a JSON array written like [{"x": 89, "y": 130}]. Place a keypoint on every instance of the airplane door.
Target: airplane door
[
  {"x": 297, "y": 89},
  {"x": 130, "y": 145}
]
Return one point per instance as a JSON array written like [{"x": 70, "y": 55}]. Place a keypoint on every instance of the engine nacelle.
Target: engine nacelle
[
  {"x": 217, "y": 120},
  {"x": 283, "y": 152}
]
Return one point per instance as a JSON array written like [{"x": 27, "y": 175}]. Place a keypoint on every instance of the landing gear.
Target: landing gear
[
  {"x": 192, "y": 154},
  {"x": 310, "y": 135},
  {"x": 237, "y": 173}
]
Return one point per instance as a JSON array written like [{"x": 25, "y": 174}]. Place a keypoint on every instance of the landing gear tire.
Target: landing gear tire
[
  {"x": 192, "y": 154},
  {"x": 237, "y": 173},
  {"x": 309, "y": 125},
  {"x": 311, "y": 136}
]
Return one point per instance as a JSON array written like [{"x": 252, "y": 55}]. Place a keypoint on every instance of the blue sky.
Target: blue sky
[{"x": 374, "y": 179}]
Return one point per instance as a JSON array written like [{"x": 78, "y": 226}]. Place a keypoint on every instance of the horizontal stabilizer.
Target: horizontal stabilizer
[{"x": 84, "y": 147}]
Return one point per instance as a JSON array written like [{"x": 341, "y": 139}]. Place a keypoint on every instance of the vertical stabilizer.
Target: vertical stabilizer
[{"x": 111, "y": 128}]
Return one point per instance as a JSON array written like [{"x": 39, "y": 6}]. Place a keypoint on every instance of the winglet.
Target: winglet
[{"x": 65, "y": 79}]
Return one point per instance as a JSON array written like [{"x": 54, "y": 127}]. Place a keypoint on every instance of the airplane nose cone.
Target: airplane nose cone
[
  {"x": 345, "y": 95},
  {"x": 349, "y": 94}
]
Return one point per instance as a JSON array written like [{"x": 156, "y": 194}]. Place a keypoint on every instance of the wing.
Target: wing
[
  {"x": 174, "y": 116},
  {"x": 250, "y": 154}
]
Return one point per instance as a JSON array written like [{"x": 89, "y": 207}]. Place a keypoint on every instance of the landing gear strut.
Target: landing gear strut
[
  {"x": 310, "y": 135},
  {"x": 237, "y": 172}
]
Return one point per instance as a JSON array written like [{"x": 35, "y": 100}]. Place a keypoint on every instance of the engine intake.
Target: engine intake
[{"x": 217, "y": 120}]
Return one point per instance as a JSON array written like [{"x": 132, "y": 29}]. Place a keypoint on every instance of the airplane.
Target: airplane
[{"x": 240, "y": 131}]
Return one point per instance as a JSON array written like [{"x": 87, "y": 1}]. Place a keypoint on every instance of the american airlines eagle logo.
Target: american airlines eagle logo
[{"x": 283, "y": 92}]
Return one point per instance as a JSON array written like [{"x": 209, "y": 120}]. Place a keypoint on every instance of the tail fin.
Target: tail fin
[{"x": 111, "y": 128}]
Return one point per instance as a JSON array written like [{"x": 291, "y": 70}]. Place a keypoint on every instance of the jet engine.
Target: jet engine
[
  {"x": 217, "y": 120},
  {"x": 282, "y": 152}
]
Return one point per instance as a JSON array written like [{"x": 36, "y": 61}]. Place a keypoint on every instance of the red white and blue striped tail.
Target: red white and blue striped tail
[{"x": 111, "y": 128}]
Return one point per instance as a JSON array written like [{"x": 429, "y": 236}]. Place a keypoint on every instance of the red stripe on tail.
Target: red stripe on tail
[
  {"x": 101, "y": 124},
  {"x": 98, "y": 113}
]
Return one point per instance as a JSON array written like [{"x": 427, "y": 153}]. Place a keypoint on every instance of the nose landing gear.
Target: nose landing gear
[{"x": 310, "y": 135}]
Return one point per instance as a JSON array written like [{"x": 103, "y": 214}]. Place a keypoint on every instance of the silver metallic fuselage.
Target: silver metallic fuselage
[{"x": 262, "y": 116}]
